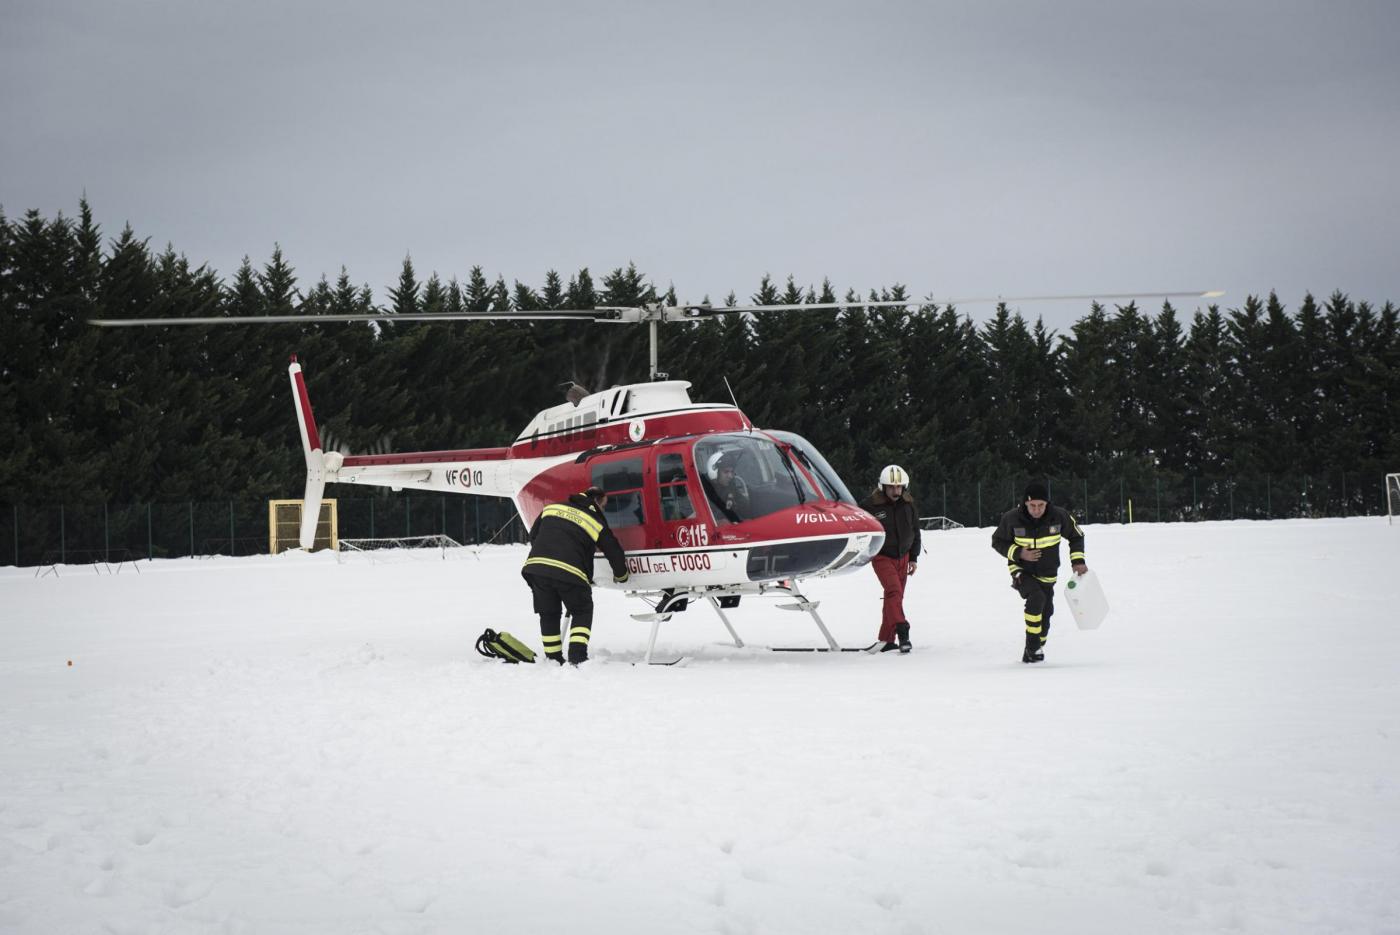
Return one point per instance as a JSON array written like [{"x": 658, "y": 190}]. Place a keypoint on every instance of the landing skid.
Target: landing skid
[
  {"x": 671, "y": 602},
  {"x": 821, "y": 649}
]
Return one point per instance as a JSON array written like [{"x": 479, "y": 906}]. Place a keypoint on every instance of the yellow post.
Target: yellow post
[
  {"x": 284, "y": 525},
  {"x": 1130, "y": 511}
]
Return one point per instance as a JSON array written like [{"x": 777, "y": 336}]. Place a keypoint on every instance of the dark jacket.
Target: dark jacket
[
  {"x": 901, "y": 521},
  {"x": 1018, "y": 530},
  {"x": 564, "y": 538}
]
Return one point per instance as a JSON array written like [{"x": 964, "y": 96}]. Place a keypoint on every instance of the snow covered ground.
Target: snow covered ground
[{"x": 293, "y": 745}]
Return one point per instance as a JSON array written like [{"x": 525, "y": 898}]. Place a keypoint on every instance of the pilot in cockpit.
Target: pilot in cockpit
[{"x": 731, "y": 494}]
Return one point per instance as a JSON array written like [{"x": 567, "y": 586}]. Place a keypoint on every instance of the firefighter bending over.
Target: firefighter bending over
[{"x": 560, "y": 569}]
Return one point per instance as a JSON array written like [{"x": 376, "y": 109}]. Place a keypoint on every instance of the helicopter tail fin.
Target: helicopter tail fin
[{"x": 315, "y": 458}]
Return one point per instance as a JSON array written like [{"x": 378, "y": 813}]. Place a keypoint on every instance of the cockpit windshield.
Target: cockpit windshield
[
  {"x": 811, "y": 459},
  {"x": 748, "y": 476}
]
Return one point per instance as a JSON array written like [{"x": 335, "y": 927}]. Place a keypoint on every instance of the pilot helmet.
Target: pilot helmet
[
  {"x": 894, "y": 475},
  {"x": 718, "y": 460}
]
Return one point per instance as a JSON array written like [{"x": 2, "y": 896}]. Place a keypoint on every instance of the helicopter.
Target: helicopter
[{"x": 658, "y": 455}]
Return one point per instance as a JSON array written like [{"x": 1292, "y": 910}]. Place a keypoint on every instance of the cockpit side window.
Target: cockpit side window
[
  {"x": 622, "y": 481},
  {"x": 675, "y": 493}
]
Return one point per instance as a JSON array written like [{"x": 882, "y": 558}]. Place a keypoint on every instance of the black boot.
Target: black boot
[
  {"x": 902, "y": 629},
  {"x": 888, "y": 647}
]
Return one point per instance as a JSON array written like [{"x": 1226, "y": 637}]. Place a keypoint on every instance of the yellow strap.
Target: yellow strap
[
  {"x": 1033, "y": 618},
  {"x": 579, "y": 635},
  {"x": 1076, "y": 556},
  {"x": 1050, "y": 580},
  {"x": 552, "y": 642},
  {"x": 575, "y": 515},
  {"x": 1011, "y": 552},
  {"x": 1033, "y": 629},
  {"x": 555, "y": 563},
  {"x": 1046, "y": 541}
]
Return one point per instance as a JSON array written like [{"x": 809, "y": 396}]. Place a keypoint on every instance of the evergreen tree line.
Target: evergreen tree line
[{"x": 1127, "y": 400}]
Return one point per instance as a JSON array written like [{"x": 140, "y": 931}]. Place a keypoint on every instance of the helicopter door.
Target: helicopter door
[
  {"x": 621, "y": 479},
  {"x": 681, "y": 525}
]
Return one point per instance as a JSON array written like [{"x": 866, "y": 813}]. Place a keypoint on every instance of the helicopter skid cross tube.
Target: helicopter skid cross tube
[{"x": 673, "y": 601}]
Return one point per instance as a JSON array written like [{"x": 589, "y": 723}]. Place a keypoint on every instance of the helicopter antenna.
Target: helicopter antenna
[{"x": 735, "y": 401}]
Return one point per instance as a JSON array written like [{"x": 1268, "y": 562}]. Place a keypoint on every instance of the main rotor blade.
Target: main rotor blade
[
  {"x": 702, "y": 311},
  {"x": 618, "y": 314},
  {"x": 600, "y": 314}
]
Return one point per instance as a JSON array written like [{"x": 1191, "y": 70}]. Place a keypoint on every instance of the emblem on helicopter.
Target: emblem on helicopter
[
  {"x": 691, "y": 536},
  {"x": 637, "y": 429},
  {"x": 464, "y": 477}
]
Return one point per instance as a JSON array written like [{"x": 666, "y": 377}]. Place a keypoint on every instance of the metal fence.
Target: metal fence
[
  {"x": 1161, "y": 498},
  {"x": 48, "y": 534},
  {"x": 77, "y": 532}
]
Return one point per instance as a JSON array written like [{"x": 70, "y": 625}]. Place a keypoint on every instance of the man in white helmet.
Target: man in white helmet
[
  {"x": 892, "y": 505},
  {"x": 731, "y": 494}
]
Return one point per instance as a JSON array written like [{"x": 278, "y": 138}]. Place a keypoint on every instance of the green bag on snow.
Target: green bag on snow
[{"x": 504, "y": 647}]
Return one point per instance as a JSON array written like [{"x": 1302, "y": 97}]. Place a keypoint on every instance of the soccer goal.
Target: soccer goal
[{"x": 1392, "y": 496}]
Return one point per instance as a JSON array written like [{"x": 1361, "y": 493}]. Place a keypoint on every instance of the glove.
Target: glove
[
  {"x": 619, "y": 579},
  {"x": 1016, "y": 581}
]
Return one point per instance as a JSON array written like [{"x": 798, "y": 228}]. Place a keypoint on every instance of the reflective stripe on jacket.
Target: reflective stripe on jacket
[
  {"x": 1019, "y": 530},
  {"x": 564, "y": 538}
]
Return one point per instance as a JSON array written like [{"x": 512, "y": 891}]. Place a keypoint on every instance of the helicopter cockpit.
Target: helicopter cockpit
[{"x": 747, "y": 476}]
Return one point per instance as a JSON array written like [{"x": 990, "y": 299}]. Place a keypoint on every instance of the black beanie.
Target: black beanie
[{"x": 1035, "y": 490}]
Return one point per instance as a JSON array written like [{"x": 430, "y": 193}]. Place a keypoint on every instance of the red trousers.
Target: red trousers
[{"x": 893, "y": 573}]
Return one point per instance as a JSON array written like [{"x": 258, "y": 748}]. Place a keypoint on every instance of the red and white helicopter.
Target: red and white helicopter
[{"x": 657, "y": 453}]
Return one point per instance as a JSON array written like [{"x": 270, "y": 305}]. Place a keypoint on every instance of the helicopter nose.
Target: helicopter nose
[
  {"x": 863, "y": 548},
  {"x": 794, "y": 559},
  {"x": 873, "y": 546}
]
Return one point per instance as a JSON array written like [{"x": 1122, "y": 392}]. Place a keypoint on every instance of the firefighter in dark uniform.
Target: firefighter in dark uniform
[
  {"x": 1028, "y": 537},
  {"x": 560, "y": 569}
]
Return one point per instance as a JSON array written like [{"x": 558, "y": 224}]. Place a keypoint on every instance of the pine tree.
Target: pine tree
[
  {"x": 1087, "y": 428},
  {"x": 1164, "y": 405},
  {"x": 1210, "y": 443},
  {"x": 1016, "y": 435},
  {"x": 876, "y": 407},
  {"x": 773, "y": 388},
  {"x": 434, "y": 296},
  {"x": 403, "y": 298},
  {"x": 1312, "y": 421}
]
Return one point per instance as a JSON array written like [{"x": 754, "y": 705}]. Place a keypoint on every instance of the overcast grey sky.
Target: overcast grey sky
[{"x": 957, "y": 148}]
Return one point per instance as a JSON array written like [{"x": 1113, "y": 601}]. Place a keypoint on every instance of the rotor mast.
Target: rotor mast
[{"x": 652, "y": 330}]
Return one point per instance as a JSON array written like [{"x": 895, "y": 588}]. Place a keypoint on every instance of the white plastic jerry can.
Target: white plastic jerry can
[{"x": 1086, "y": 600}]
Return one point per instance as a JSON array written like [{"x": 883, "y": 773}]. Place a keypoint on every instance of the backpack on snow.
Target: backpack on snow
[{"x": 504, "y": 647}]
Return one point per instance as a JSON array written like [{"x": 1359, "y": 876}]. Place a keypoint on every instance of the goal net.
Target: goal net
[
  {"x": 380, "y": 550},
  {"x": 1392, "y": 496}
]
